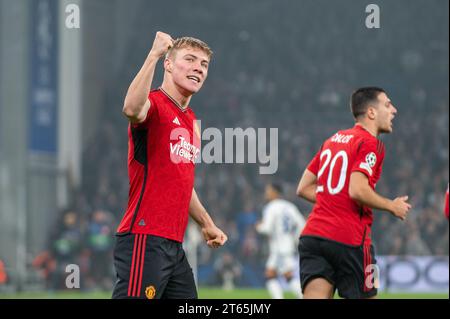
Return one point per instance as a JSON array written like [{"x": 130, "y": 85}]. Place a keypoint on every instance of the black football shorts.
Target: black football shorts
[
  {"x": 350, "y": 269},
  {"x": 151, "y": 267}
]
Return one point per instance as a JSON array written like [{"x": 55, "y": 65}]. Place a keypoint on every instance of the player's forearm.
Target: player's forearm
[
  {"x": 198, "y": 213},
  {"x": 307, "y": 186},
  {"x": 137, "y": 94},
  {"x": 262, "y": 228},
  {"x": 366, "y": 196},
  {"x": 309, "y": 193}
]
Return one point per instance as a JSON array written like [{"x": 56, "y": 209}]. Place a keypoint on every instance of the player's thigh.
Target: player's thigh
[
  {"x": 357, "y": 276},
  {"x": 181, "y": 284},
  {"x": 270, "y": 273},
  {"x": 143, "y": 267},
  {"x": 123, "y": 257},
  {"x": 287, "y": 265},
  {"x": 271, "y": 265},
  {"x": 314, "y": 265},
  {"x": 318, "y": 288}
]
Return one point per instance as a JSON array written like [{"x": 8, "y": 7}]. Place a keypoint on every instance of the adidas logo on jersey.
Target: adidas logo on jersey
[
  {"x": 176, "y": 121},
  {"x": 141, "y": 222}
]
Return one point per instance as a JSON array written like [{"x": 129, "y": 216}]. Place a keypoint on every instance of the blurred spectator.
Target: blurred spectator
[
  {"x": 45, "y": 265},
  {"x": 100, "y": 244},
  {"x": 66, "y": 243},
  {"x": 3, "y": 274},
  {"x": 246, "y": 219},
  {"x": 228, "y": 270},
  {"x": 250, "y": 245},
  {"x": 415, "y": 246}
]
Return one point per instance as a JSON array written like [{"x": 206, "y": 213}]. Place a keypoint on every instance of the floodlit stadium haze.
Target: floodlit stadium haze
[{"x": 283, "y": 66}]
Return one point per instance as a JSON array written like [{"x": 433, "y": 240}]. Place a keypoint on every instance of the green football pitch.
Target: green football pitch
[{"x": 203, "y": 293}]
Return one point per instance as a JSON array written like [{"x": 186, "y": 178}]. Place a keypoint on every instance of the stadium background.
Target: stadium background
[{"x": 284, "y": 64}]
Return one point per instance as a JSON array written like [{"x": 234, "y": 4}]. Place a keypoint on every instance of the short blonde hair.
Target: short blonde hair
[{"x": 189, "y": 42}]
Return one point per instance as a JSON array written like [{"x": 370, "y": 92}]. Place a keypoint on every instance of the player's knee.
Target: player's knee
[
  {"x": 271, "y": 274},
  {"x": 288, "y": 276}
]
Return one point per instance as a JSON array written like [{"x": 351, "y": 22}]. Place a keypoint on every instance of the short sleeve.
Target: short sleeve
[
  {"x": 368, "y": 158},
  {"x": 313, "y": 166}
]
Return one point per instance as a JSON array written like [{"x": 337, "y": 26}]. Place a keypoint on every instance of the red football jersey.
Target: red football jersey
[
  {"x": 161, "y": 165},
  {"x": 446, "y": 204},
  {"x": 335, "y": 215}
]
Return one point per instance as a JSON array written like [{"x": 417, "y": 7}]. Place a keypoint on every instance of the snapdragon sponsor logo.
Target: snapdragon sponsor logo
[{"x": 230, "y": 146}]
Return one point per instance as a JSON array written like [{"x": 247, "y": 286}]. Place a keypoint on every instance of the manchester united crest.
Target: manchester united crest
[{"x": 150, "y": 292}]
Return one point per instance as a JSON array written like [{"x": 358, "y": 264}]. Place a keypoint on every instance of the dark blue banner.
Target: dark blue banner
[{"x": 43, "y": 128}]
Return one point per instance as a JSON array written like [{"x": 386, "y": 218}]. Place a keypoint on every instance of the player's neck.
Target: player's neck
[
  {"x": 372, "y": 130},
  {"x": 176, "y": 95}
]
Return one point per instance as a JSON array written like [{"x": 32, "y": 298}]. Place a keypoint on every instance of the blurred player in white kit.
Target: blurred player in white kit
[{"x": 282, "y": 222}]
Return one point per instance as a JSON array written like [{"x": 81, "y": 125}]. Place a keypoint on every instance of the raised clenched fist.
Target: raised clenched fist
[{"x": 162, "y": 43}]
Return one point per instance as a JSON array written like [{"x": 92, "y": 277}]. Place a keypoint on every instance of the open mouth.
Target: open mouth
[{"x": 194, "y": 78}]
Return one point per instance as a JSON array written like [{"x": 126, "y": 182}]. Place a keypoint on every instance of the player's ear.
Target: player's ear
[
  {"x": 371, "y": 112},
  {"x": 168, "y": 65}
]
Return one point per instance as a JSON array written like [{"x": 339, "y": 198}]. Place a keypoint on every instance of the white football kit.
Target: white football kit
[{"x": 283, "y": 223}]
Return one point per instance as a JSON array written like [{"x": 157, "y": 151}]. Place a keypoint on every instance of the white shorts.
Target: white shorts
[{"x": 281, "y": 263}]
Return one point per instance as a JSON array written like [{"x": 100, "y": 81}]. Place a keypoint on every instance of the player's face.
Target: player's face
[
  {"x": 189, "y": 69},
  {"x": 385, "y": 113},
  {"x": 269, "y": 193}
]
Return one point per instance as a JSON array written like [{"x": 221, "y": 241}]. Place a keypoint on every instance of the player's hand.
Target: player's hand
[
  {"x": 214, "y": 236},
  {"x": 400, "y": 207},
  {"x": 162, "y": 43}
]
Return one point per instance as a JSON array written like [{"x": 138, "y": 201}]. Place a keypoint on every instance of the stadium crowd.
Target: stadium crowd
[{"x": 300, "y": 83}]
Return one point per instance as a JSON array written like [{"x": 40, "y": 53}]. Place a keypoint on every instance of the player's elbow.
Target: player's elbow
[
  {"x": 307, "y": 185},
  {"x": 129, "y": 110},
  {"x": 300, "y": 191},
  {"x": 355, "y": 192},
  {"x": 133, "y": 113}
]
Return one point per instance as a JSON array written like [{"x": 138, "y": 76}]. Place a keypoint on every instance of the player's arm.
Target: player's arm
[
  {"x": 360, "y": 191},
  {"x": 265, "y": 226},
  {"x": 137, "y": 104},
  {"x": 307, "y": 186},
  {"x": 213, "y": 235}
]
